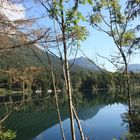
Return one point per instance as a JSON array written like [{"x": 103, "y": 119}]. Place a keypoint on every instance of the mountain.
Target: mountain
[
  {"x": 134, "y": 67},
  {"x": 84, "y": 63},
  {"x": 21, "y": 57},
  {"x": 25, "y": 57}
]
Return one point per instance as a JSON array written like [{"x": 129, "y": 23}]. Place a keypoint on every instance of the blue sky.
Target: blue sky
[
  {"x": 96, "y": 43},
  {"x": 100, "y": 43}
]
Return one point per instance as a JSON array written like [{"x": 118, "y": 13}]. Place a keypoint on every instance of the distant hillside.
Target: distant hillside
[
  {"x": 33, "y": 56},
  {"x": 84, "y": 63},
  {"x": 25, "y": 57},
  {"x": 134, "y": 67}
]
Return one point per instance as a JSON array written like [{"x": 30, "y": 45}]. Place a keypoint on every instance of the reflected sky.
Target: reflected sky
[{"x": 105, "y": 124}]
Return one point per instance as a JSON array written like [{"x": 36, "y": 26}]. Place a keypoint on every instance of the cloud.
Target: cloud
[{"x": 12, "y": 11}]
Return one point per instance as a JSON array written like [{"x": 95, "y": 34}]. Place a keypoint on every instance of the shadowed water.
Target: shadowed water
[
  {"x": 105, "y": 124},
  {"x": 100, "y": 116}
]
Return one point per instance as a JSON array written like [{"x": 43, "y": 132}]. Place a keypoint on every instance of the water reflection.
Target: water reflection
[
  {"x": 105, "y": 124},
  {"x": 100, "y": 116}
]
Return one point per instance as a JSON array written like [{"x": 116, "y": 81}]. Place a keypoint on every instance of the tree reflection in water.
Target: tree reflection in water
[
  {"x": 133, "y": 119},
  {"x": 38, "y": 116}
]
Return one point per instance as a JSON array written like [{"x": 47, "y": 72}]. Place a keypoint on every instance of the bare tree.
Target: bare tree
[
  {"x": 21, "y": 31},
  {"x": 16, "y": 33}
]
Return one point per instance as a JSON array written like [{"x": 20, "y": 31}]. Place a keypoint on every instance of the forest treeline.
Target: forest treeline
[{"x": 28, "y": 68}]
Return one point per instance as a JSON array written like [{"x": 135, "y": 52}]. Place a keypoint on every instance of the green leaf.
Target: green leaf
[
  {"x": 95, "y": 18},
  {"x": 90, "y": 2}
]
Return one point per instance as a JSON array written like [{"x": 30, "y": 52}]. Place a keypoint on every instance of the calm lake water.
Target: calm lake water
[{"x": 100, "y": 117}]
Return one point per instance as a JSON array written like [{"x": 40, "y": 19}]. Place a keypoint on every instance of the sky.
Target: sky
[
  {"x": 12, "y": 11},
  {"x": 96, "y": 43}
]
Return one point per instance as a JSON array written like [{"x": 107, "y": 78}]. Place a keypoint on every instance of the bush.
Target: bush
[{"x": 7, "y": 135}]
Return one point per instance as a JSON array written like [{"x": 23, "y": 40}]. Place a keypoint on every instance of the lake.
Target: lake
[{"x": 100, "y": 116}]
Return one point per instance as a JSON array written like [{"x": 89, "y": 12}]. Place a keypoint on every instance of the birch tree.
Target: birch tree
[{"x": 67, "y": 18}]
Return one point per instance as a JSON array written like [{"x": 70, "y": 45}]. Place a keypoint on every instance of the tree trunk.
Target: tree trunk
[
  {"x": 68, "y": 88},
  {"x": 56, "y": 98},
  {"x": 129, "y": 98},
  {"x": 57, "y": 105},
  {"x": 79, "y": 125}
]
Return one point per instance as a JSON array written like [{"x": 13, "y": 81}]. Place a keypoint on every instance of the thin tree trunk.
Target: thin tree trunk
[
  {"x": 79, "y": 124},
  {"x": 3, "y": 119},
  {"x": 128, "y": 93},
  {"x": 127, "y": 82},
  {"x": 64, "y": 72},
  {"x": 61, "y": 59},
  {"x": 57, "y": 106},
  {"x": 23, "y": 92},
  {"x": 129, "y": 98},
  {"x": 56, "y": 98},
  {"x": 66, "y": 66},
  {"x": 69, "y": 98}
]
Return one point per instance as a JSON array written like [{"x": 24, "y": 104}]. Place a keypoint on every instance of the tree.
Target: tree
[
  {"x": 134, "y": 7},
  {"x": 110, "y": 17},
  {"x": 67, "y": 19},
  {"x": 18, "y": 32},
  {"x": 116, "y": 25}
]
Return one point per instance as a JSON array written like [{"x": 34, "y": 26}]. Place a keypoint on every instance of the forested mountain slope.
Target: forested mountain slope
[
  {"x": 25, "y": 57},
  {"x": 84, "y": 63}
]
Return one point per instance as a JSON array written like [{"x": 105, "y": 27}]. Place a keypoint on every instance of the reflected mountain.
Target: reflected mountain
[
  {"x": 34, "y": 119},
  {"x": 105, "y": 125},
  {"x": 88, "y": 113}
]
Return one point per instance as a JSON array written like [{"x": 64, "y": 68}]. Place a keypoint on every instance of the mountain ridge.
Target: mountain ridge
[
  {"x": 84, "y": 63},
  {"x": 134, "y": 67}
]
